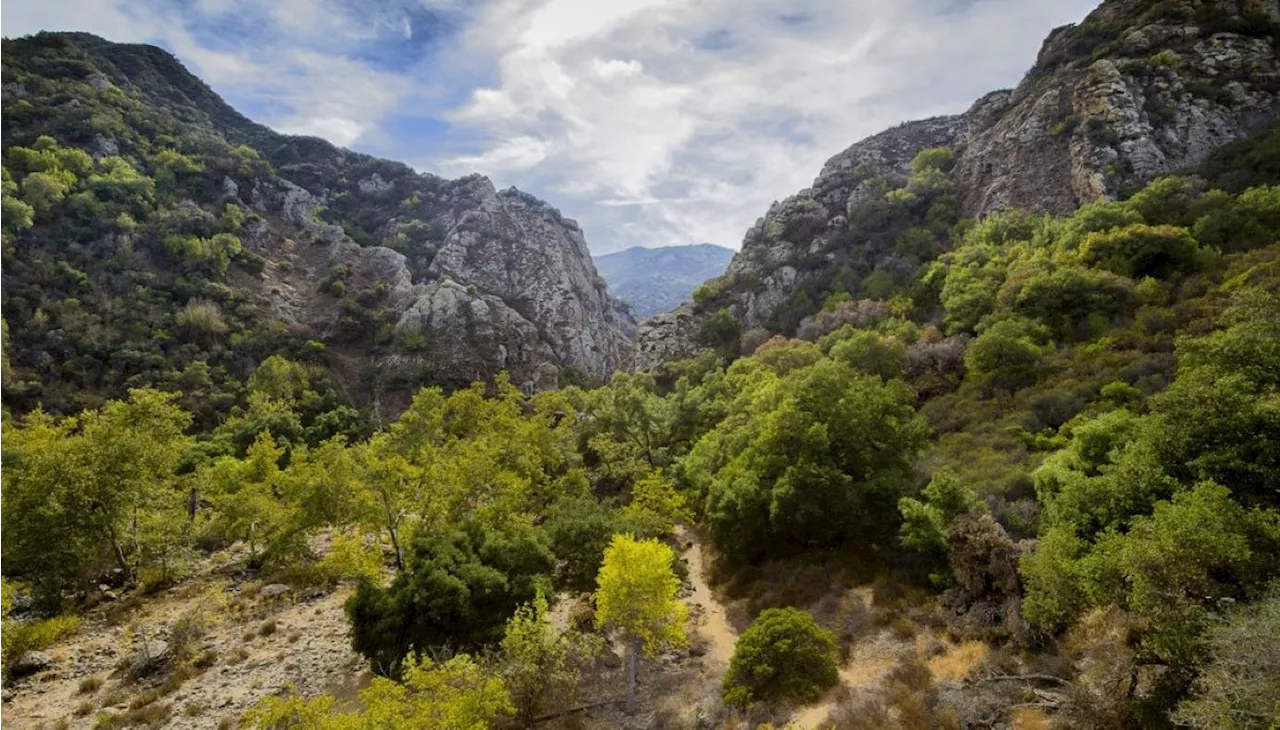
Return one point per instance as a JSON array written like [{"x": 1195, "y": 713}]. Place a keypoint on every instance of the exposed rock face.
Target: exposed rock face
[
  {"x": 1133, "y": 92},
  {"x": 521, "y": 250},
  {"x": 665, "y": 337},
  {"x": 466, "y": 335}
]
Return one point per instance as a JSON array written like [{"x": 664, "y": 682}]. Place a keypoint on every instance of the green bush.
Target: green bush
[
  {"x": 457, "y": 590},
  {"x": 1009, "y": 355},
  {"x": 1141, "y": 250},
  {"x": 783, "y": 655},
  {"x": 807, "y": 460}
]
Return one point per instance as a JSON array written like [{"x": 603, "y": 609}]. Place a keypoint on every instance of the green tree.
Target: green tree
[
  {"x": 1074, "y": 302},
  {"x": 457, "y": 694},
  {"x": 636, "y": 596},
  {"x": 924, "y": 524},
  {"x": 783, "y": 655},
  {"x": 869, "y": 352},
  {"x": 42, "y": 191},
  {"x": 1243, "y": 223},
  {"x": 18, "y": 216},
  {"x": 579, "y": 528},
  {"x": 1009, "y": 355},
  {"x": 655, "y": 508},
  {"x": 1140, "y": 250},
  {"x": 809, "y": 460},
  {"x": 78, "y": 492},
  {"x": 458, "y": 589},
  {"x": 721, "y": 332},
  {"x": 536, "y": 658}
]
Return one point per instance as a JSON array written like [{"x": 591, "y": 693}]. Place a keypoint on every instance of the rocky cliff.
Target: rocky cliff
[
  {"x": 1136, "y": 90},
  {"x": 404, "y": 278}
]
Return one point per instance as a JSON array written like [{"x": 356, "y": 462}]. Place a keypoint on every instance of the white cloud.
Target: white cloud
[
  {"x": 651, "y": 121},
  {"x": 680, "y": 121}
]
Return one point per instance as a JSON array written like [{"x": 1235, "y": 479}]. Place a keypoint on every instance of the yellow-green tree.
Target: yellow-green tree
[
  {"x": 79, "y": 493},
  {"x": 459, "y": 694},
  {"x": 537, "y": 659},
  {"x": 636, "y": 597}
]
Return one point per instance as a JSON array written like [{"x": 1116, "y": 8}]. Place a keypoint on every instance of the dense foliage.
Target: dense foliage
[{"x": 783, "y": 655}]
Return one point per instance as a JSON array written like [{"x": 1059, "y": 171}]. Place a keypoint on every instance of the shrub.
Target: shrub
[
  {"x": 721, "y": 332},
  {"x": 1009, "y": 355},
  {"x": 200, "y": 321},
  {"x": 458, "y": 589},
  {"x": 1240, "y": 686},
  {"x": 813, "y": 458},
  {"x": 1140, "y": 250},
  {"x": 783, "y": 655}
]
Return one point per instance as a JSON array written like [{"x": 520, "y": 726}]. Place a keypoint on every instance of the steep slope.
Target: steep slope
[
  {"x": 403, "y": 278},
  {"x": 1134, "y": 91},
  {"x": 657, "y": 279}
]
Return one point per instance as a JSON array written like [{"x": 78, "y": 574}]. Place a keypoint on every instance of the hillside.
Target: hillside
[
  {"x": 654, "y": 280},
  {"x": 170, "y": 234},
  {"x": 1134, "y": 91}
]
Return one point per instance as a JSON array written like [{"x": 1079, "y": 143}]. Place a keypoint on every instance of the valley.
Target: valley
[{"x": 977, "y": 431}]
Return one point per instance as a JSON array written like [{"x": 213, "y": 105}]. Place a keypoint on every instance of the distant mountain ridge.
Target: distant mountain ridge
[{"x": 657, "y": 279}]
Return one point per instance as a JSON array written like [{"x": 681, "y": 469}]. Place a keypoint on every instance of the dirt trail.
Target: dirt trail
[
  {"x": 714, "y": 626},
  {"x": 871, "y": 659}
]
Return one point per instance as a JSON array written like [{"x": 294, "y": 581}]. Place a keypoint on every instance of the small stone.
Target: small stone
[
  {"x": 273, "y": 590},
  {"x": 150, "y": 656},
  {"x": 30, "y": 662}
]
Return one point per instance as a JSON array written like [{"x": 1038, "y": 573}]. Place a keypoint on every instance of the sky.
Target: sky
[{"x": 651, "y": 122}]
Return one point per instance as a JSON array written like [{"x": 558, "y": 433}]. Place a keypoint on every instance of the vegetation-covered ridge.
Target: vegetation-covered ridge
[
  {"x": 1135, "y": 91},
  {"x": 154, "y": 237}
]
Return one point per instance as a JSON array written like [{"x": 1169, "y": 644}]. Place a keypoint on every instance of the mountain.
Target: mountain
[
  {"x": 1136, "y": 90},
  {"x": 170, "y": 239},
  {"x": 657, "y": 279}
]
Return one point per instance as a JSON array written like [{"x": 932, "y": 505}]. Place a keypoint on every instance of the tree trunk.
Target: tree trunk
[
  {"x": 391, "y": 530},
  {"x": 633, "y": 658}
]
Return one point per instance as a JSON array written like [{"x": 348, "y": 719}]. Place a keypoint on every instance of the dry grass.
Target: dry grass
[
  {"x": 903, "y": 628},
  {"x": 1030, "y": 718},
  {"x": 959, "y": 661},
  {"x": 227, "y": 723},
  {"x": 267, "y": 628},
  {"x": 84, "y": 708},
  {"x": 144, "y": 699},
  {"x": 115, "y": 697},
  {"x": 89, "y": 685}
]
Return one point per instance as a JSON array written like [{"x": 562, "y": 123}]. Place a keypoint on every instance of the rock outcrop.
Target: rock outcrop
[
  {"x": 521, "y": 250},
  {"x": 1134, "y": 91}
]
